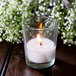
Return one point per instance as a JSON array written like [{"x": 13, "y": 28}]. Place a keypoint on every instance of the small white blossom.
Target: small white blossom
[
  {"x": 40, "y": 1},
  {"x": 54, "y": 3},
  {"x": 0, "y": 40},
  {"x": 72, "y": 14},
  {"x": 44, "y": 4},
  {"x": 48, "y": 10},
  {"x": 50, "y": 4},
  {"x": 65, "y": 41},
  {"x": 37, "y": 12},
  {"x": 59, "y": 18},
  {"x": 62, "y": 5},
  {"x": 57, "y": 14},
  {"x": 41, "y": 8}
]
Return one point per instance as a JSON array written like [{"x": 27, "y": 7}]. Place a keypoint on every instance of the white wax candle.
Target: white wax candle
[{"x": 40, "y": 53}]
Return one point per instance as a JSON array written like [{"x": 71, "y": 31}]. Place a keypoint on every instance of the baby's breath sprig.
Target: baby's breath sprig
[{"x": 12, "y": 13}]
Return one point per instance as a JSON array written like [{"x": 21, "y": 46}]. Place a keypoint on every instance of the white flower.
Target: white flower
[
  {"x": 57, "y": 14},
  {"x": 72, "y": 14},
  {"x": 54, "y": 4},
  {"x": 69, "y": 12},
  {"x": 0, "y": 40},
  {"x": 69, "y": 45},
  {"x": 48, "y": 10},
  {"x": 50, "y": 4},
  {"x": 52, "y": 16},
  {"x": 37, "y": 12},
  {"x": 59, "y": 18},
  {"x": 61, "y": 4},
  {"x": 44, "y": 4},
  {"x": 65, "y": 24},
  {"x": 65, "y": 17},
  {"x": 0, "y": 12},
  {"x": 41, "y": 8},
  {"x": 0, "y": 7},
  {"x": 58, "y": 27},
  {"x": 63, "y": 34},
  {"x": 65, "y": 41},
  {"x": 40, "y": 1},
  {"x": 71, "y": 33},
  {"x": 10, "y": 16}
]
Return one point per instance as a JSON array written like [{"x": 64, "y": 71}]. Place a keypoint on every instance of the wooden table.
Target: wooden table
[{"x": 65, "y": 64}]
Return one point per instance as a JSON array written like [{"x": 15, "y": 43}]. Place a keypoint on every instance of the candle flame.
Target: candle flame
[
  {"x": 39, "y": 39},
  {"x": 40, "y": 25}
]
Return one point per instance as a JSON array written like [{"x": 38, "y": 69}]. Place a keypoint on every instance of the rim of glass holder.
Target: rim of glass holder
[{"x": 32, "y": 28}]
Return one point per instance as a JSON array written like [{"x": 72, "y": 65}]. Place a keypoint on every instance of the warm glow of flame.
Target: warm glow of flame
[
  {"x": 40, "y": 25},
  {"x": 39, "y": 39}
]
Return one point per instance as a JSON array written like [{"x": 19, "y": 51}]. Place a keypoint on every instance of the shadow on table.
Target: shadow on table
[
  {"x": 38, "y": 72},
  {"x": 63, "y": 69}
]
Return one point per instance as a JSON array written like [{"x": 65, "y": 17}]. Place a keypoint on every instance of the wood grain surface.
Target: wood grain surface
[
  {"x": 3, "y": 50},
  {"x": 65, "y": 53},
  {"x": 65, "y": 64}
]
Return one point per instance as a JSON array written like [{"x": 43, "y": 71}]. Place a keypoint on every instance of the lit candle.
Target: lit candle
[{"x": 42, "y": 51}]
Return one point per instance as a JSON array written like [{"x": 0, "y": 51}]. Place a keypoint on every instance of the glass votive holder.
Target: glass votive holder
[{"x": 40, "y": 38}]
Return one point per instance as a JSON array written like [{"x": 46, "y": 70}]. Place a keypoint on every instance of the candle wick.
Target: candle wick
[{"x": 40, "y": 43}]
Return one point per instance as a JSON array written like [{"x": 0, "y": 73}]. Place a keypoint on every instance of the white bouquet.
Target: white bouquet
[{"x": 13, "y": 12}]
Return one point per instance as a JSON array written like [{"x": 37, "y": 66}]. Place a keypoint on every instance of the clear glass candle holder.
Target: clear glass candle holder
[{"x": 40, "y": 38}]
